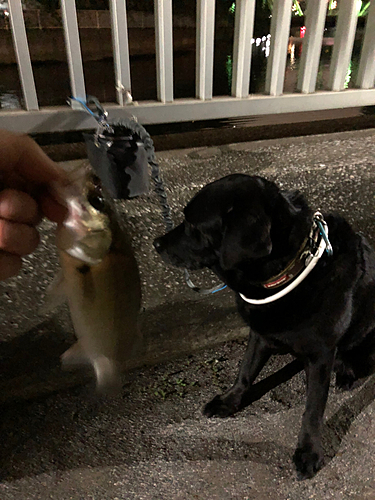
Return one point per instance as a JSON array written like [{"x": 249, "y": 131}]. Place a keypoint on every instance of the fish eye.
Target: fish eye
[
  {"x": 96, "y": 181},
  {"x": 96, "y": 201}
]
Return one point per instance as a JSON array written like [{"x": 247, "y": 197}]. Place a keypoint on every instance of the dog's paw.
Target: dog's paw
[
  {"x": 219, "y": 407},
  {"x": 308, "y": 461}
]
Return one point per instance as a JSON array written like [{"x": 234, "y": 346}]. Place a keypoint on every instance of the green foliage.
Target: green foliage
[
  {"x": 364, "y": 9},
  {"x": 169, "y": 386}
]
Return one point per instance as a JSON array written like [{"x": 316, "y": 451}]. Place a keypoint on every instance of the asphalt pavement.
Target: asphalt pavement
[{"x": 60, "y": 440}]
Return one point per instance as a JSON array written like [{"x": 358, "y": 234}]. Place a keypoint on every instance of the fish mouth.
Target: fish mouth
[{"x": 90, "y": 246}]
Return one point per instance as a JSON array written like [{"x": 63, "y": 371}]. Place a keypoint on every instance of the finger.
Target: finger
[
  {"x": 18, "y": 239},
  {"x": 52, "y": 208},
  {"x": 18, "y": 206},
  {"x": 22, "y": 154},
  {"x": 10, "y": 265}
]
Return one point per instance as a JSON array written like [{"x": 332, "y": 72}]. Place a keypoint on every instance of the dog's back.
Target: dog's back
[{"x": 355, "y": 357}]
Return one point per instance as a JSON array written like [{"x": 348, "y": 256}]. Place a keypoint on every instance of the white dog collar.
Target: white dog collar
[{"x": 310, "y": 262}]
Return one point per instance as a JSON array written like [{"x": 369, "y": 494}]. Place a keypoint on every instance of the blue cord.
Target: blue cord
[
  {"x": 219, "y": 289},
  {"x": 329, "y": 248},
  {"x": 83, "y": 103}
]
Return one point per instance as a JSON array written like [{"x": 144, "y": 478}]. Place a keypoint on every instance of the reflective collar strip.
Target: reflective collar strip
[{"x": 310, "y": 266}]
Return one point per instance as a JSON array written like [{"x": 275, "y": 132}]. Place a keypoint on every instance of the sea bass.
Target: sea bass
[{"x": 99, "y": 280}]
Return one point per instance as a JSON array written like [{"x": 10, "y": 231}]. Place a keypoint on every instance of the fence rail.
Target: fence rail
[{"x": 204, "y": 106}]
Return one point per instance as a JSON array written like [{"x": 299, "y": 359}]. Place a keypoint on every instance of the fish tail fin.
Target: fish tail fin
[
  {"x": 108, "y": 377},
  {"x": 75, "y": 356}
]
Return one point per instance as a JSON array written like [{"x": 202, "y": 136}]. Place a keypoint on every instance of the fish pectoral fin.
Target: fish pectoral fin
[
  {"x": 75, "y": 356},
  {"x": 55, "y": 295}
]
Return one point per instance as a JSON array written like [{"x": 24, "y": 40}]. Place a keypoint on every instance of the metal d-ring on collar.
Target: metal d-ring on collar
[{"x": 310, "y": 261}]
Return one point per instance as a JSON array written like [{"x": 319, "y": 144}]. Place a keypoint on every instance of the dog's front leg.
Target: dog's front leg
[
  {"x": 308, "y": 457},
  {"x": 256, "y": 356}
]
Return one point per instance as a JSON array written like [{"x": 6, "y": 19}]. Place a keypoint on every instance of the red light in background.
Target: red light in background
[{"x": 302, "y": 31}]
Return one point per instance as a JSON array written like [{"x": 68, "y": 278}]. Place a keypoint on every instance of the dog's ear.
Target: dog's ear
[{"x": 246, "y": 237}]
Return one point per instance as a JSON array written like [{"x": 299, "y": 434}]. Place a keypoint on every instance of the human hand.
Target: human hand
[{"x": 26, "y": 176}]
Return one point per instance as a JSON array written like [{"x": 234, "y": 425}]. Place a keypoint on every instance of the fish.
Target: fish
[{"x": 99, "y": 280}]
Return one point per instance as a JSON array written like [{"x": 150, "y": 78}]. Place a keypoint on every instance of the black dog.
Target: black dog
[{"x": 260, "y": 241}]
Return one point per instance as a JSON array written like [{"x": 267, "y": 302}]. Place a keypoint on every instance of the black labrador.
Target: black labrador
[{"x": 270, "y": 248}]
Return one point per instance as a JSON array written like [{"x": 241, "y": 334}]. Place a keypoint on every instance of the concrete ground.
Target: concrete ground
[{"x": 60, "y": 440}]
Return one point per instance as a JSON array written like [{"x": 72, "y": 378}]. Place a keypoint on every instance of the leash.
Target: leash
[{"x": 202, "y": 291}]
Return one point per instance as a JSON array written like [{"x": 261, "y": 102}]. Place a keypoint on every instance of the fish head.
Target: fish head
[{"x": 85, "y": 234}]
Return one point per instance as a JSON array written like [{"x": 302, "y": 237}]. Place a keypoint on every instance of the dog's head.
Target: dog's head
[{"x": 236, "y": 219}]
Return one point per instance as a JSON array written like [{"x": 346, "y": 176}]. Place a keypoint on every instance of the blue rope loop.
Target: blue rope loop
[
  {"x": 83, "y": 103},
  {"x": 100, "y": 115}
]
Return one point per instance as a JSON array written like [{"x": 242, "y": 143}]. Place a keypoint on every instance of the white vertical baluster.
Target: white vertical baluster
[
  {"x": 343, "y": 46},
  {"x": 120, "y": 49},
  {"x": 73, "y": 49},
  {"x": 164, "y": 50},
  {"x": 243, "y": 32},
  {"x": 23, "y": 55},
  {"x": 312, "y": 45},
  {"x": 280, "y": 27},
  {"x": 366, "y": 71},
  {"x": 205, "y": 48}
]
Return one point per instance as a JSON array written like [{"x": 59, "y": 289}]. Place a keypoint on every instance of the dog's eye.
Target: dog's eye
[{"x": 96, "y": 201}]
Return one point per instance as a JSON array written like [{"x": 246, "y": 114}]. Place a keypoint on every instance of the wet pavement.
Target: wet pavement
[{"x": 61, "y": 441}]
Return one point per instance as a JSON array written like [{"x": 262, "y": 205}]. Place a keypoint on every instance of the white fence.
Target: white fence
[{"x": 204, "y": 106}]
